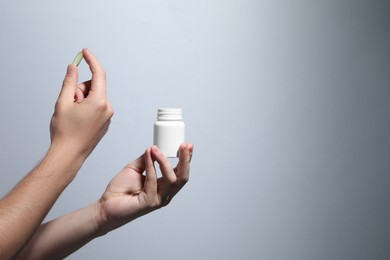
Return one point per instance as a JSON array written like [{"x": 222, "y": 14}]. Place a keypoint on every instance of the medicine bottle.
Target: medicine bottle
[{"x": 169, "y": 131}]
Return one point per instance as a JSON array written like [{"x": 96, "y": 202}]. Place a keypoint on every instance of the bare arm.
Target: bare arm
[
  {"x": 25, "y": 207},
  {"x": 64, "y": 235},
  {"x": 77, "y": 126},
  {"x": 128, "y": 196}
]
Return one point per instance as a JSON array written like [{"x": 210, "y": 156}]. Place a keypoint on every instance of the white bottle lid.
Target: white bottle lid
[{"x": 169, "y": 114}]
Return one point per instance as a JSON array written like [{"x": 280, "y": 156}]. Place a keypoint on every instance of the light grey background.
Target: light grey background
[{"x": 287, "y": 103}]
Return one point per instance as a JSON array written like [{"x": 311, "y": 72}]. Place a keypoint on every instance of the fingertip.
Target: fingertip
[
  {"x": 87, "y": 54},
  {"x": 150, "y": 185},
  {"x": 182, "y": 146},
  {"x": 147, "y": 158},
  {"x": 147, "y": 152},
  {"x": 71, "y": 76},
  {"x": 155, "y": 150},
  {"x": 71, "y": 69},
  {"x": 186, "y": 152},
  {"x": 98, "y": 74},
  {"x": 151, "y": 154},
  {"x": 85, "y": 50},
  {"x": 185, "y": 147}
]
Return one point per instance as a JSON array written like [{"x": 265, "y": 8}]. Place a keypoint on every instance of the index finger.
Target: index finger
[
  {"x": 98, "y": 81},
  {"x": 150, "y": 185},
  {"x": 138, "y": 164}
]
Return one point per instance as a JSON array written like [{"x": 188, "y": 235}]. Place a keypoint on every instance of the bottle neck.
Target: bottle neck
[{"x": 169, "y": 114}]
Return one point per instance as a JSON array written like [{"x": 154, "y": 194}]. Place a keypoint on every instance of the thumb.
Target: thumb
[{"x": 69, "y": 85}]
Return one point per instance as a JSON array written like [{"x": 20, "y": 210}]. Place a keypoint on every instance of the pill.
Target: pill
[{"x": 78, "y": 59}]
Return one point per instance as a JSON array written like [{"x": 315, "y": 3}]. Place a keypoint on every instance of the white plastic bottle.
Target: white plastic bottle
[{"x": 169, "y": 131}]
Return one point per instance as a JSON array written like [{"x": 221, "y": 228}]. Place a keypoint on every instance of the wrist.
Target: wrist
[
  {"x": 99, "y": 219},
  {"x": 68, "y": 149},
  {"x": 67, "y": 160}
]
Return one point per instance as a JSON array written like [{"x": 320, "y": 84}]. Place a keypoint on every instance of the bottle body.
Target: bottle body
[{"x": 169, "y": 131}]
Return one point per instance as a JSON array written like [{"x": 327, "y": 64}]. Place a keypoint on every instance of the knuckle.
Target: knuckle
[
  {"x": 110, "y": 110},
  {"x": 166, "y": 202},
  {"x": 59, "y": 107},
  {"x": 182, "y": 180},
  {"x": 154, "y": 203},
  {"x": 105, "y": 107},
  {"x": 102, "y": 73},
  {"x": 102, "y": 105}
]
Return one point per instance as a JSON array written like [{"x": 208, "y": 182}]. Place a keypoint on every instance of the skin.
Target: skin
[
  {"x": 129, "y": 195},
  {"x": 81, "y": 118}
]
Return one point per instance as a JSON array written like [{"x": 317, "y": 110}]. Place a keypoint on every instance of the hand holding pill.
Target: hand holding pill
[{"x": 82, "y": 112}]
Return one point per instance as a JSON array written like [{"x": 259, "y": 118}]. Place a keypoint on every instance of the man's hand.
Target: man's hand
[
  {"x": 81, "y": 118},
  {"x": 82, "y": 112},
  {"x": 130, "y": 194}
]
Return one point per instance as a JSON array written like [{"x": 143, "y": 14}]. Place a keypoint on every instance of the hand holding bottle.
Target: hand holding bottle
[{"x": 130, "y": 194}]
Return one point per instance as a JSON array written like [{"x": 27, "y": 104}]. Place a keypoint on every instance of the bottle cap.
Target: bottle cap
[{"x": 169, "y": 114}]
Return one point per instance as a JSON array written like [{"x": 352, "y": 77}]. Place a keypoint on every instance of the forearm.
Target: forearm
[
  {"x": 25, "y": 207},
  {"x": 64, "y": 235}
]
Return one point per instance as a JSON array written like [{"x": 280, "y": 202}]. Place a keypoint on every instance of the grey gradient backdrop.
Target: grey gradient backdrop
[{"x": 287, "y": 103}]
